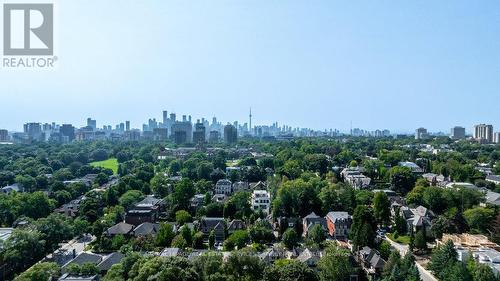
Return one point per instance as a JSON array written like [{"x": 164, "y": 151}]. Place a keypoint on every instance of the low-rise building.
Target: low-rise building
[
  {"x": 493, "y": 178},
  {"x": 120, "y": 228},
  {"x": 355, "y": 178},
  {"x": 235, "y": 225},
  {"x": 261, "y": 200},
  {"x": 371, "y": 261},
  {"x": 217, "y": 225},
  {"x": 311, "y": 220},
  {"x": 137, "y": 216},
  {"x": 146, "y": 229},
  {"x": 197, "y": 201},
  {"x": 412, "y": 166},
  {"x": 418, "y": 218},
  {"x": 224, "y": 186},
  {"x": 240, "y": 186},
  {"x": 338, "y": 224}
]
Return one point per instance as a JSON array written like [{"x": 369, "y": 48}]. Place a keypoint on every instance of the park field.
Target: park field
[{"x": 110, "y": 163}]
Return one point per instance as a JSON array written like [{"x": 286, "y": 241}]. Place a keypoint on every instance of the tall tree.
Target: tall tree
[
  {"x": 382, "y": 208},
  {"x": 335, "y": 264}
]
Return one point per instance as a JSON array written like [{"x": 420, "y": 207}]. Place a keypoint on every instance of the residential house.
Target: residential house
[
  {"x": 197, "y": 201},
  {"x": 354, "y": 177},
  {"x": 273, "y": 254},
  {"x": 224, "y": 186},
  {"x": 146, "y": 229},
  {"x": 492, "y": 198},
  {"x": 11, "y": 188},
  {"x": 83, "y": 258},
  {"x": 71, "y": 208},
  {"x": 258, "y": 185},
  {"x": 417, "y": 218},
  {"x": 216, "y": 224},
  {"x": 5, "y": 233},
  {"x": 110, "y": 260},
  {"x": 137, "y": 216},
  {"x": 261, "y": 200},
  {"x": 69, "y": 277},
  {"x": 282, "y": 223},
  {"x": 434, "y": 179},
  {"x": 240, "y": 186},
  {"x": 120, "y": 228},
  {"x": 338, "y": 224},
  {"x": 310, "y": 220},
  {"x": 171, "y": 252},
  {"x": 372, "y": 262},
  {"x": 234, "y": 225},
  {"x": 412, "y": 166},
  {"x": 493, "y": 178},
  {"x": 151, "y": 202},
  {"x": 310, "y": 257},
  {"x": 103, "y": 262},
  {"x": 219, "y": 198}
]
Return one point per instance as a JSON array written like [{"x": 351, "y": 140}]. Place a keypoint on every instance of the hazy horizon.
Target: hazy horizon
[{"x": 321, "y": 64}]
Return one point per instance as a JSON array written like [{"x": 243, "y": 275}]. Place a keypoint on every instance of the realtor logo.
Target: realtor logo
[{"x": 28, "y": 29}]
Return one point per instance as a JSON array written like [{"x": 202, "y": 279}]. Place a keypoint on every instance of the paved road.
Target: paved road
[{"x": 425, "y": 275}]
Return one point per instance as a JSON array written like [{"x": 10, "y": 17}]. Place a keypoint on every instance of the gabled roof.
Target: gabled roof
[
  {"x": 171, "y": 252},
  {"x": 309, "y": 256},
  {"x": 68, "y": 277},
  {"x": 120, "y": 228},
  {"x": 236, "y": 224},
  {"x": 493, "y": 197},
  {"x": 377, "y": 262},
  {"x": 110, "y": 260},
  {"x": 84, "y": 257},
  {"x": 421, "y": 211},
  {"x": 150, "y": 200},
  {"x": 312, "y": 215},
  {"x": 146, "y": 228},
  {"x": 219, "y": 226},
  {"x": 211, "y": 222}
]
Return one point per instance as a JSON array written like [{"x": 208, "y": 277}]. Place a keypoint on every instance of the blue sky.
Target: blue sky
[{"x": 321, "y": 64}]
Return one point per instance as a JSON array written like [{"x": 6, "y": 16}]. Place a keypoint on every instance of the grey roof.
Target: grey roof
[
  {"x": 120, "y": 228},
  {"x": 211, "y": 222},
  {"x": 195, "y": 253},
  {"x": 146, "y": 228},
  {"x": 493, "y": 177},
  {"x": 150, "y": 200},
  {"x": 171, "y": 252},
  {"x": 67, "y": 277},
  {"x": 377, "y": 262},
  {"x": 236, "y": 225},
  {"x": 334, "y": 216},
  {"x": 14, "y": 187},
  {"x": 84, "y": 258},
  {"x": 110, "y": 260},
  {"x": 312, "y": 215},
  {"x": 309, "y": 256},
  {"x": 493, "y": 197}
]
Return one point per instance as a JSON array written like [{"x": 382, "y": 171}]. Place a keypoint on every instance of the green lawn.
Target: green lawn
[
  {"x": 402, "y": 239},
  {"x": 111, "y": 163}
]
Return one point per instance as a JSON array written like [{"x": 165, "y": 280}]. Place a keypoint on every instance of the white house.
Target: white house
[
  {"x": 224, "y": 186},
  {"x": 261, "y": 199}
]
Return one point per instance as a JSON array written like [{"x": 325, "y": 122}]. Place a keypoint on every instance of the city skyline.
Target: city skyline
[
  {"x": 139, "y": 125},
  {"x": 318, "y": 66}
]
